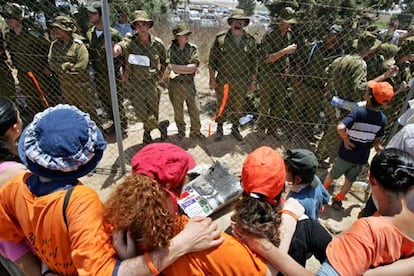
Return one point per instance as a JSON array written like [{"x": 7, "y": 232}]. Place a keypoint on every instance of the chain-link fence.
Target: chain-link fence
[{"x": 279, "y": 85}]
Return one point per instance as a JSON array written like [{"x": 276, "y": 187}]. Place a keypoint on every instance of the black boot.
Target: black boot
[
  {"x": 163, "y": 126},
  {"x": 236, "y": 133},
  {"x": 219, "y": 132},
  {"x": 181, "y": 134},
  {"x": 147, "y": 137}
]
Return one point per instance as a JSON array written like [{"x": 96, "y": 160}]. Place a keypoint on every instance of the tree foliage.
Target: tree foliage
[{"x": 247, "y": 5}]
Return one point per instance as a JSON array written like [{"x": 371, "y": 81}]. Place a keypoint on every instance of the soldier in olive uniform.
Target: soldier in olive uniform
[
  {"x": 69, "y": 58},
  {"x": 347, "y": 79},
  {"x": 379, "y": 62},
  {"x": 28, "y": 50},
  {"x": 309, "y": 98},
  {"x": 146, "y": 56},
  {"x": 183, "y": 60},
  {"x": 277, "y": 46},
  {"x": 7, "y": 88},
  {"x": 233, "y": 61},
  {"x": 97, "y": 57},
  {"x": 404, "y": 59}
]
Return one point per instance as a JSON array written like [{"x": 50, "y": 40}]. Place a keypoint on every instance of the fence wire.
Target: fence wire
[{"x": 276, "y": 98}]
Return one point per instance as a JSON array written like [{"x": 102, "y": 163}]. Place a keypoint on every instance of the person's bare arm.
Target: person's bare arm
[
  {"x": 377, "y": 144},
  {"x": 341, "y": 130},
  {"x": 288, "y": 226},
  {"x": 212, "y": 74},
  {"x": 184, "y": 69},
  {"x": 392, "y": 70},
  {"x": 198, "y": 234},
  {"x": 403, "y": 267},
  {"x": 277, "y": 55}
]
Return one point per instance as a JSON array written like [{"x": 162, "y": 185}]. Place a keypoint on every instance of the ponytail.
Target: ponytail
[{"x": 393, "y": 169}]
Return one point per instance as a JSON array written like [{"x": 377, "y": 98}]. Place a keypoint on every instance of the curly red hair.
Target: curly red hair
[{"x": 141, "y": 206}]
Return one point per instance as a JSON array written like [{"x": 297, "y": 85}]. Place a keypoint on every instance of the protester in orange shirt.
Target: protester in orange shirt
[
  {"x": 145, "y": 206},
  {"x": 10, "y": 129},
  {"x": 61, "y": 218},
  {"x": 372, "y": 241}
]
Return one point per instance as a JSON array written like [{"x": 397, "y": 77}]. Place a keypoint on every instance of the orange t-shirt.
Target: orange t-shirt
[
  {"x": 232, "y": 257},
  {"x": 83, "y": 248},
  {"x": 370, "y": 242}
]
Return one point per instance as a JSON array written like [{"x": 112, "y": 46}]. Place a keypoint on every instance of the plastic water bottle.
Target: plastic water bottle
[
  {"x": 343, "y": 104},
  {"x": 337, "y": 102},
  {"x": 246, "y": 119}
]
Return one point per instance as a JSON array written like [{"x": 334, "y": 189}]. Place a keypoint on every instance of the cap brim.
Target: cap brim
[
  {"x": 142, "y": 20},
  {"x": 376, "y": 45},
  {"x": 184, "y": 33},
  {"x": 290, "y": 21},
  {"x": 60, "y": 26},
  {"x": 92, "y": 9}
]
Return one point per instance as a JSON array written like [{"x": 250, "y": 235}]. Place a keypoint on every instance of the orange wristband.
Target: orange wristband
[
  {"x": 292, "y": 214},
  {"x": 150, "y": 264}
]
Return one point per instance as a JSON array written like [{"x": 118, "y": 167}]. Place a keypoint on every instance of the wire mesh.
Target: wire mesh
[{"x": 283, "y": 102}]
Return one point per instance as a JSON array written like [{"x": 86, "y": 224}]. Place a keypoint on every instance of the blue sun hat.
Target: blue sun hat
[{"x": 61, "y": 143}]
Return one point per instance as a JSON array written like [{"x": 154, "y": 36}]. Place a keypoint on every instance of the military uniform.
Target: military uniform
[
  {"x": 309, "y": 99},
  {"x": 393, "y": 109},
  {"x": 182, "y": 87},
  {"x": 235, "y": 60},
  {"x": 273, "y": 81},
  {"x": 6, "y": 81},
  {"x": 69, "y": 60},
  {"x": 145, "y": 66},
  {"x": 347, "y": 80},
  {"x": 28, "y": 51},
  {"x": 97, "y": 57}
]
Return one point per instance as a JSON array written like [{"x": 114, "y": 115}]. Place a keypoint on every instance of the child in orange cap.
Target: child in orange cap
[
  {"x": 259, "y": 210},
  {"x": 361, "y": 129},
  {"x": 143, "y": 205}
]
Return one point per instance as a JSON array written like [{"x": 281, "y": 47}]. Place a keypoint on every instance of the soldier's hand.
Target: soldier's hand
[
  {"x": 252, "y": 87},
  {"x": 392, "y": 71},
  {"x": 291, "y": 49},
  {"x": 213, "y": 84}
]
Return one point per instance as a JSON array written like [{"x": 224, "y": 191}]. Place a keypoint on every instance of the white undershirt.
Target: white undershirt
[{"x": 98, "y": 33}]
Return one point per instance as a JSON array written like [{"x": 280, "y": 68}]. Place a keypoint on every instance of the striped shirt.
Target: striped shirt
[{"x": 363, "y": 125}]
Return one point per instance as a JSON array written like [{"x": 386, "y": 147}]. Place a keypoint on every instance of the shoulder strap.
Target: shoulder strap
[
  {"x": 65, "y": 204},
  {"x": 221, "y": 39}
]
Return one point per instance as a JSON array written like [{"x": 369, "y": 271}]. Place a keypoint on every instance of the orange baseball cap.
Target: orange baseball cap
[
  {"x": 382, "y": 91},
  {"x": 264, "y": 173}
]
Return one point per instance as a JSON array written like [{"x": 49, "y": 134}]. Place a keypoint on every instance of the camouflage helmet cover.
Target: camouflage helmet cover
[
  {"x": 141, "y": 16},
  {"x": 64, "y": 22},
  {"x": 406, "y": 47},
  {"x": 287, "y": 15},
  {"x": 181, "y": 29},
  {"x": 366, "y": 41}
]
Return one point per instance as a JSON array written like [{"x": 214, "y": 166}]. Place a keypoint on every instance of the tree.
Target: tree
[{"x": 248, "y": 6}]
